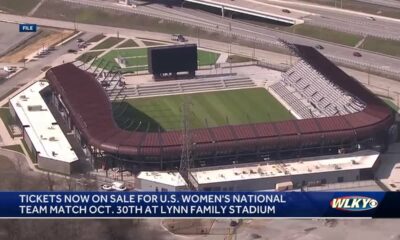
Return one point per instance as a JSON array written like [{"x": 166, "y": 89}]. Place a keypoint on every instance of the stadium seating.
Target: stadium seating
[
  {"x": 176, "y": 87},
  {"x": 323, "y": 96}
]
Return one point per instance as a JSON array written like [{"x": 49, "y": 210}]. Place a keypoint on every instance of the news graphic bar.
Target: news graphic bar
[
  {"x": 25, "y": 27},
  {"x": 199, "y": 205}
]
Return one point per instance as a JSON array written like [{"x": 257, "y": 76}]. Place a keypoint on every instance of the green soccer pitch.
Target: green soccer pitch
[{"x": 210, "y": 109}]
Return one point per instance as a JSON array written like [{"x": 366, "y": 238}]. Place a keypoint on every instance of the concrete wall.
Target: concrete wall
[{"x": 53, "y": 165}]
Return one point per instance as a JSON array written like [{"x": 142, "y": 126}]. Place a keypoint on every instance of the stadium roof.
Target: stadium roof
[
  {"x": 40, "y": 125},
  {"x": 91, "y": 111}
]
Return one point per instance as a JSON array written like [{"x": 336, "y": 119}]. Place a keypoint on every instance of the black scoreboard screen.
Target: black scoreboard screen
[{"x": 172, "y": 59}]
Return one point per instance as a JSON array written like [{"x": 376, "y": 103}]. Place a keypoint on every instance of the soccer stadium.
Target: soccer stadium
[{"x": 312, "y": 109}]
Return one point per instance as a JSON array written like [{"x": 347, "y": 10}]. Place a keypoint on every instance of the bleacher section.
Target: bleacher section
[
  {"x": 299, "y": 107},
  {"x": 178, "y": 87},
  {"x": 310, "y": 94}
]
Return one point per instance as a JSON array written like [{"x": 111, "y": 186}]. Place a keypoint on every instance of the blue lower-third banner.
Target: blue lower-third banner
[{"x": 199, "y": 204}]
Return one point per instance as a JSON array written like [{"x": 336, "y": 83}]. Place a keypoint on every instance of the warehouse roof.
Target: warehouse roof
[
  {"x": 298, "y": 166},
  {"x": 312, "y": 165},
  {"x": 40, "y": 125}
]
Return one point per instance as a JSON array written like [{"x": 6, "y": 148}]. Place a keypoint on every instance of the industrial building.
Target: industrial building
[
  {"x": 42, "y": 134},
  {"x": 291, "y": 173}
]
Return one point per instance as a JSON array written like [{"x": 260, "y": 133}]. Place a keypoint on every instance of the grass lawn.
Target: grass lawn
[
  {"x": 109, "y": 42},
  {"x": 138, "y": 57},
  {"x": 88, "y": 56},
  {"x": 216, "y": 108},
  {"x": 360, "y": 6},
  {"x": 206, "y": 58},
  {"x": 18, "y": 6},
  {"x": 128, "y": 43},
  {"x": 15, "y": 147},
  {"x": 326, "y": 34},
  {"x": 390, "y": 47}
]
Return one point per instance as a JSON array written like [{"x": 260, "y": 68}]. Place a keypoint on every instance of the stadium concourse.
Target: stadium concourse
[{"x": 348, "y": 119}]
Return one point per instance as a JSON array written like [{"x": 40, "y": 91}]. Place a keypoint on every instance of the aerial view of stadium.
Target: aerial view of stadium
[{"x": 209, "y": 99}]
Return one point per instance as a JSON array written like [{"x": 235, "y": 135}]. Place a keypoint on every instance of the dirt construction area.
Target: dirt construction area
[{"x": 45, "y": 38}]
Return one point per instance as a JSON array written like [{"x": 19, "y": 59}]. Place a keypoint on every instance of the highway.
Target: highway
[
  {"x": 216, "y": 23},
  {"x": 386, "y": 3},
  {"x": 346, "y": 20}
]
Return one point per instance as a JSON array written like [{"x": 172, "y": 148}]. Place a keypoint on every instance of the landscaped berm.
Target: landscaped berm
[{"x": 209, "y": 109}]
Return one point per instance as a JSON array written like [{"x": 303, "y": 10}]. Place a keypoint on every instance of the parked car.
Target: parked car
[
  {"x": 118, "y": 186},
  {"x": 106, "y": 187},
  {"x": 357, "y": 54},
  {"x": 179, "y": 38},
  {"x": 372, "y": 18},
  {"x": 286, "y": 10},
  {"x": 319, "y": 47},
  {"x": 72, "y": 51}
]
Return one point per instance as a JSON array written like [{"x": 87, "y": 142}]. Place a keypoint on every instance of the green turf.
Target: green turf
[
  {"x": 206, "y": 58},
  {"x": 109, "y": 42},
  {"x": 139, "y": 53},
  {"x": 214, "y": 108},
  {"x": 128, "y": 43},
  {"x": 390, "y": 47},
  {"x": 326, "y": 34}
]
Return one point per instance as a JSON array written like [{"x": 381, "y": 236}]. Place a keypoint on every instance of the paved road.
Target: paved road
[
  {"x": 33, "y": 68},
  {"x": 244, "y": 29},
  {"x": 346, "y": 20},
  {"x": 387, "y": 3}
]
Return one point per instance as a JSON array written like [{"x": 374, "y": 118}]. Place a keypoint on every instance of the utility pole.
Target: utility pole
[{"x": 186, "y": 156}]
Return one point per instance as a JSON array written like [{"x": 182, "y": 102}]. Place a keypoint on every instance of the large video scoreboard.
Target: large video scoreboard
[{"x": 172, "y": 59}]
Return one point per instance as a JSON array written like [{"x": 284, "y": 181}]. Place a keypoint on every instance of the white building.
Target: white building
[
  {"x": 267, "y": 175},
  {"x": 41, "y": 132}
]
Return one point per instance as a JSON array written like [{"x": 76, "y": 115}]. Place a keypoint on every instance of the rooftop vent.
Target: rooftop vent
[{"x": 35, "y": 108}]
